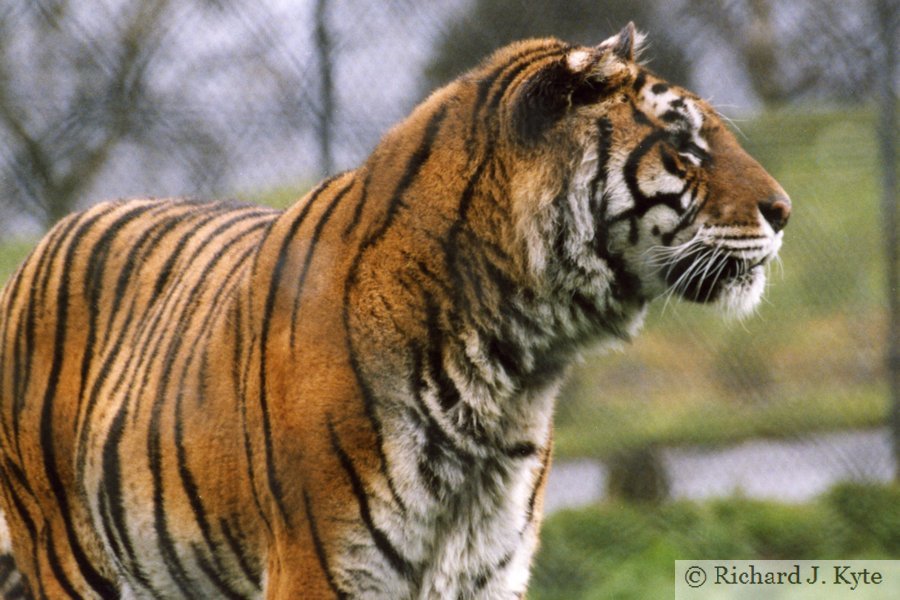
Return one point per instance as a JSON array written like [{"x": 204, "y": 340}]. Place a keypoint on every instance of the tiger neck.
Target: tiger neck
[{"x": 493, "y": 376}]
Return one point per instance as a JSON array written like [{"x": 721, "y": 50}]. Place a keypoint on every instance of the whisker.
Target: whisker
[
  {"x": 723, "y": 264},
  {"x": 717, "y": 253},
  {"x": 686, "y": 278},
  {"x": 728, "y": 119}
]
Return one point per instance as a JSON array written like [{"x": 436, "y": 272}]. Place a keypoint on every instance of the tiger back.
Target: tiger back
[{"x": 353, "y": 398}]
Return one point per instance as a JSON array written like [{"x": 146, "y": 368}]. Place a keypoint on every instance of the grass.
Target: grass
[
  {"x": 12, "y": 253},
  {"x": 624, "y": 552}
]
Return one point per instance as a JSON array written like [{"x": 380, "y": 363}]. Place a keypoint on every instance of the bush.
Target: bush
[{"x": 623, "y": 551}]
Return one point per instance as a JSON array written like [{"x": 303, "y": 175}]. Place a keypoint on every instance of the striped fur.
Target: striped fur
[{"x": 352, "y": 398}]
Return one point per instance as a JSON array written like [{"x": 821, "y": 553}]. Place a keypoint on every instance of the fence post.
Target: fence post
[
  {"x": 888, "y": 139},
  {"x": 326, "y": 87}
]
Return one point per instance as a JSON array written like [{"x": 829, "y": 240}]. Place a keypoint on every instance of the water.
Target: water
[{"x": 793, "y": 470}]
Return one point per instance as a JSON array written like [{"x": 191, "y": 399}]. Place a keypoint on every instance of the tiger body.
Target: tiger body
[{"x": 353, "y": 398}]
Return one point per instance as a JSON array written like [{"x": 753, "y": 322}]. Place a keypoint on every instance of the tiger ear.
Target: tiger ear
[
  {"x": 574, "y": 79},
  {"x": 625, "y": 45}
]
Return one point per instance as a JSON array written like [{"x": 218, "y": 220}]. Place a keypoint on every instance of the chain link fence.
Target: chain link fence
[{"x": 259, "y": 100}]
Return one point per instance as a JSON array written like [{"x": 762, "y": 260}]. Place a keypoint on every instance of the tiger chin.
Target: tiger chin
[{"x": 352, "y": 398}]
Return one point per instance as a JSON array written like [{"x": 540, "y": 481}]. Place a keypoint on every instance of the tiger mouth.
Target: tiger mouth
[{"x": 703, "y": 278}]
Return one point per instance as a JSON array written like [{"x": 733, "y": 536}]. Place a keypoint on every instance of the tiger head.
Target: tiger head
[{"x": 621, "y": 176}]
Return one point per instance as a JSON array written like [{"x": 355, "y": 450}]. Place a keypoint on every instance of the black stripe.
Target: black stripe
[
  {"x": 416, "y": 161},
  {"x": 670, "y": 164},
  {"x": 506, "y": 353},
  {"x": 687, "y": 218},
  {"x": 640, "y": 117},
  {"x": 174, "y": 567},
  {"x": 19, "y": 505},
  {"x": 321, "y": 554},
  {"x": 250, "y": 570},
  {"x": 103, "y": 508},
  {"x": 413, "y": 166},
  {"x": 487, "y": 574},
  {"x": 521, "y": 450},
  {"x": 145, "y": 336},
  {"x": 674, "y": 116},
  {"x": 360, "y": 204},
  {"x": 114, "y": 520},
  {"x": 311, "y": 248},
  {"x": 55, "y": 245},
  {"x": 184, "y": 321},
  {"x": 642, "y": 202},
  {"x": 27, "y": 521},
  {"x": 9, "y": 299},
  {"x": 395, "y": 559},
  {"x": 219, "y": 301},
  {"x": 114, "y": 516},
  {"x": 241, "y": 380},
  {"x": 150, "y": 237},
  {"x": 56, "y": 567},
  {"x": 438, "y": 444},
  {"x": 151, "y": 333},
  {"x": 189, "y": 484},
  {"x": 95, "y": 267},
  {"x": 514, "y": 313},
  {"x": 520, "y": 62},
  {"x": 639, "y": 81},
  {"x": 511, "y": 76},
  {"x": 272, "y": 477},
  {"x": 136, "y": 256},
  {"x": 487, "y": 82},
  {"x": 92, "y": 577},
  {"x": 165, "y": 272},
  {"x": 447, "y": 392},
  {"x": 426, "y": 273},
  {"x": 452, "y": 247},
  {"x": 22, "y": 373},
  {"x": 212, "y": 574},
  {"x": 604, "y": 146}
]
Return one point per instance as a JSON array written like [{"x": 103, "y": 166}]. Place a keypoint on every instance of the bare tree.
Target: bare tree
[
  {"x": 51, "y": 160},
  {"x": 791, "y": 50},
  {"x": 151, "y": 87}
]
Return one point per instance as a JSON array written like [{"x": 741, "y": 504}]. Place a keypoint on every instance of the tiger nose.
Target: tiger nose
[{"x": 776, "y": 209}]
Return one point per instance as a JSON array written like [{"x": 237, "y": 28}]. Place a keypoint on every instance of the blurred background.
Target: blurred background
[{"x": 774, "y": 437}]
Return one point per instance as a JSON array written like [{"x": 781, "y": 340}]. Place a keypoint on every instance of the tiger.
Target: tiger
[{"x": 353, "y": 397}]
